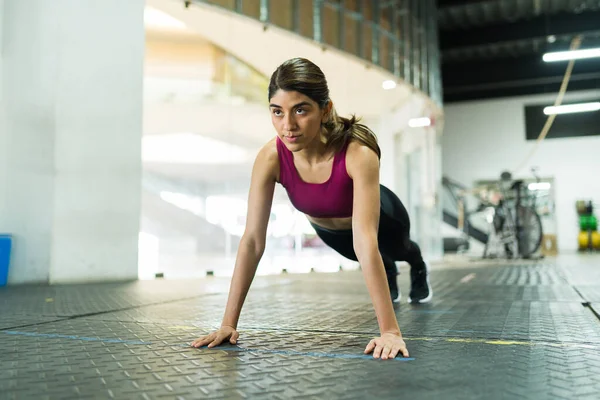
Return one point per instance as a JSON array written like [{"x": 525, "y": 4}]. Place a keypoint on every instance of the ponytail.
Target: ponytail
[{"x": 340, "y": 130}]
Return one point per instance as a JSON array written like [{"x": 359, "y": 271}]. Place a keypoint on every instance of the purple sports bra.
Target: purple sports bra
[{"x": 331, "y": 199}]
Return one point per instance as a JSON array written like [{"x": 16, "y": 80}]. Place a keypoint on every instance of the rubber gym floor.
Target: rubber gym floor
[{"x": 501, "y": 331}]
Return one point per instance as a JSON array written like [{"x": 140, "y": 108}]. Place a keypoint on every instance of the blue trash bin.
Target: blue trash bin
[{"x": 5, "y": 246}]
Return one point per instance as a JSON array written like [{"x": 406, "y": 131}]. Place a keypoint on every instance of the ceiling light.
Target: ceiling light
[
  {"x": 419, "y": 122},
  {"x": 572, "y": 108},
  {"x": 571, "y": 55},
  {"x": 387, "y": 85}
]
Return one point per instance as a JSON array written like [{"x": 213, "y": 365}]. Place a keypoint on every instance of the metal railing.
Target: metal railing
[
  {"x": 460, "y": 208},
  {"x": 398, "y": 35}
]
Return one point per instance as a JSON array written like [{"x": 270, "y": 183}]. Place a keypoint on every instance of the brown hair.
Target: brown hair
[{"x": 303, "y": 76}]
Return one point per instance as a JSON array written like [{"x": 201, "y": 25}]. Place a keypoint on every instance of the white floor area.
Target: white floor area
[
  {"x": 197, "y": 266},
  {"x": 187, "y": 265}
]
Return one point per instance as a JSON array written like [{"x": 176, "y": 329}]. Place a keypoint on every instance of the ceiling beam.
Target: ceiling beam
[
  {"x": 477, "y": 94},
  {"x": 540, "y": 26},
  {"x": 514, "y": 76},
  {"x": 510, "y": 69}
]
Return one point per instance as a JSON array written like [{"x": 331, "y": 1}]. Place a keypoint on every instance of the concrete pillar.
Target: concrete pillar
[{"x": 70, "y": 138}]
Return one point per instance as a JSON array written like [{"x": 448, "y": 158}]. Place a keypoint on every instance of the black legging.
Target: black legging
[{"x": 393, "y": 235}]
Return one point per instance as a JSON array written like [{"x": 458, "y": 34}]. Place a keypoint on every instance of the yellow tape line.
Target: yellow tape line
[
  {"x": 496, "y": 342},
  {"x": 499, "y": 342}
]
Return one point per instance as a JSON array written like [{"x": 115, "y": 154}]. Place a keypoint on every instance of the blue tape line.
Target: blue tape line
[
  {"x": 305, "y": 353},
  {"x": 233, "y": 349}
]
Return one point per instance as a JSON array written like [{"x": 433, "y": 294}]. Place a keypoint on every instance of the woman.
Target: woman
[{"x": 329, "y": 166}]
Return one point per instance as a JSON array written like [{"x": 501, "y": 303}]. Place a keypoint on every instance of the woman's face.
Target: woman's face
[{"x": 296, "y": 118}]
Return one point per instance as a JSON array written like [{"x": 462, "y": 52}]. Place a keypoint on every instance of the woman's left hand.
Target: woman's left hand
[{"x": 387, "y": 346}]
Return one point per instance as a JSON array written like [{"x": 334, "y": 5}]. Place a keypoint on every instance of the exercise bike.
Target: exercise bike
[{"x": 515, "y": 225}]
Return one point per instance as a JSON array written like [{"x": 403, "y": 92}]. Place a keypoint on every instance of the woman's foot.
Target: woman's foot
[{"x": 420, "y": 288}]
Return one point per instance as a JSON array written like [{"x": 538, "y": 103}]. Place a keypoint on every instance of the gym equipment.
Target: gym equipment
[
  {"x": 5, "y": 248},
  {"x": 584, "y": 240},
  {"x": 589, "y": 237},
  {"x": 596, "y": 240},
  {"x": 588, "y": 222},
  {"x": 592, "y": 223},
  {"x": 584, "y": 207}
]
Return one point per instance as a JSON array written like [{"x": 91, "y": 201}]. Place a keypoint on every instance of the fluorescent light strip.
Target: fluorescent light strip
[
  {"x": 572, "y": 108},
  {"x": 419, "y": 122},
  {"x": 571, "y": 55}
]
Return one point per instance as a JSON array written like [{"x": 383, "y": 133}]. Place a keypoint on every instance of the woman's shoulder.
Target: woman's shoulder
[
  {"x": 358, "y": 150},
  {"x": 269, "y": 151},
  {"x": 267, "y": 158},
  {"x": 360, "y": 158}
]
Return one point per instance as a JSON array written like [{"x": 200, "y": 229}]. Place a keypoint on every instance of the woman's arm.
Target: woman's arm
[
  {"x": 252, "y": 244},
  {"x": 363, "y": 167}
]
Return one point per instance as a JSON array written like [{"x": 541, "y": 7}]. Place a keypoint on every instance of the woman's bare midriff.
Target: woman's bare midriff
[{"x": 332, "y": 223}]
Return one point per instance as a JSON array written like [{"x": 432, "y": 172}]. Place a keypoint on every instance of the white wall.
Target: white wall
[
  {"x": 417, "y": 185},
  {"x": 1, "y": 48},
  {"x": 28, "y": 131},
  {"x": 72, "y": 90},
  {"x": 484, "y": 138},
  {"x": 3, "y": 137}
]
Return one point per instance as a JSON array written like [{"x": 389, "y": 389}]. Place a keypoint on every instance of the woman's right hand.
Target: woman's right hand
[{"x": 218, "y": 337}]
